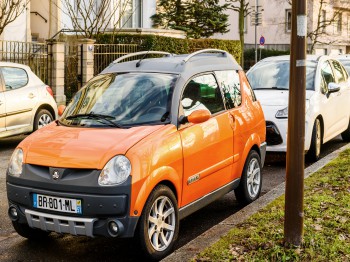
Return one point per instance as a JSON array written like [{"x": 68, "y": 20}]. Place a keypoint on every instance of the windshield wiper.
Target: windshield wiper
[{"x": 91, "y": 115}]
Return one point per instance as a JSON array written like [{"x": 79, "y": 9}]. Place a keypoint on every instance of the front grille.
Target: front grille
[
  {"x": 60, "y": 224},
  {"x": 273, "y": 136}
]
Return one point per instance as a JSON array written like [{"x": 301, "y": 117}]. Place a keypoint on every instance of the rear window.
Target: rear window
[{"x": 14, "y": 77}]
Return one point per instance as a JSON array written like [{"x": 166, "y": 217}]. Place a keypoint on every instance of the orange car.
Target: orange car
[{"x": 141, "y": 146}]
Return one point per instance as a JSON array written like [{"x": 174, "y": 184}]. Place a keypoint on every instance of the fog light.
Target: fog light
[
  {"x": 113, "y": 228},
  {"x": 13, "y": 213}
]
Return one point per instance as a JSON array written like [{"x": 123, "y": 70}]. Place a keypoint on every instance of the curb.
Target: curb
[{"x": 208, "y": 238}]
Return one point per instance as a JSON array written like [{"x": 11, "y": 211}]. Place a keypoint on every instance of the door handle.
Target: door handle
[{"x": 31, "y": 95}]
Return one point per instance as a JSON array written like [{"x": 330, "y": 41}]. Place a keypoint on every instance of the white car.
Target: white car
[
  {"x": 26, "y": 103},
  {"x": 327, "y": 101}
]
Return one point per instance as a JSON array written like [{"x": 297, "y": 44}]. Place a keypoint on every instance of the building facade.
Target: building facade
[{"x": 329, "y": 19}]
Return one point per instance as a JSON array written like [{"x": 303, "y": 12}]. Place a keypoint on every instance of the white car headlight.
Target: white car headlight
[
  {"x": 283, "y": 113},
  {"x": 15, "y": 166},
  {"x": 115, "y": 172}
]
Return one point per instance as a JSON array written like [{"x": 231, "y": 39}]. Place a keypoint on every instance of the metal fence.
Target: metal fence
[
  {"x": 72, "y": 69},
  {"x": 35, "y": 55},
  {"x": 104, "y": 54}
]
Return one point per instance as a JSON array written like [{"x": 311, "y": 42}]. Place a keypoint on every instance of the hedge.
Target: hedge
[{"x": 171, "y": 45}]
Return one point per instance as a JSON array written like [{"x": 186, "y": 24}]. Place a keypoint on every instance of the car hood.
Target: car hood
[
  {"x": 75, "y": 147},
  {"x": 276, "y": 97}
]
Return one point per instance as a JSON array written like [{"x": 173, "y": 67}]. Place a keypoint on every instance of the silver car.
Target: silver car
[{"x": 26, "y": 103}]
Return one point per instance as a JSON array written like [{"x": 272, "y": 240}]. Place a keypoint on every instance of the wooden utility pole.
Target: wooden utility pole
[{"x": 294, "y": 198}]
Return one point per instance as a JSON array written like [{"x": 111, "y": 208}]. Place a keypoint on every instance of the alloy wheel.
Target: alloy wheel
[
  {"x": 161, "y": 223},
  {"x": 253, "y": 178}
]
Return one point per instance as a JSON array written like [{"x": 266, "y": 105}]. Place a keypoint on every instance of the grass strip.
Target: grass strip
[{"x": 326, "y": 224}]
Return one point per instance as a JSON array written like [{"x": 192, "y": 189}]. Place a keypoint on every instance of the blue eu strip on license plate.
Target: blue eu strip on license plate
[{"x": 61, "y": 204}]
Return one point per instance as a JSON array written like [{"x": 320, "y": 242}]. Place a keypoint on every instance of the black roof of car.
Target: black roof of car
[{"x": 189, "y": 64}]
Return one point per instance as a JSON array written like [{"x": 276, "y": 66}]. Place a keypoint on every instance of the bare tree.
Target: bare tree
[
  {"x": 96, "y": 16},
  {"x": 243, "y": 9},
  {"x": 319, "y": 33},
  {"x": 10, "y": 10}
]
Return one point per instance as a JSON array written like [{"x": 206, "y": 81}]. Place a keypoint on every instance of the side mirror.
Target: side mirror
[
  {"x": 333, "y": 87},
  {"x": 61, "y": 109},
  {"x": 196, "y": 117}
]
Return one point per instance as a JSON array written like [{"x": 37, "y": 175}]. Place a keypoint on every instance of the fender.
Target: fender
[
  {"x": 254, "y": 139},
  {"x": 143, "y": 188}
]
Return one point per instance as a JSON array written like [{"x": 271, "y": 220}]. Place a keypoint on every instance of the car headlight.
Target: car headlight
[
  {"x": 15, "y": 166},
  {"x": 115, "y": 172},
  {"x": 283, "y": 113}
]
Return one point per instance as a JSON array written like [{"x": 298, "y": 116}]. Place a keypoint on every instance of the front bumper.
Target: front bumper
[{"x": 100, "y": 205}]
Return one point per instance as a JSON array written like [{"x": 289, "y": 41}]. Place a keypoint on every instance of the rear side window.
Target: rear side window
[
  {"x": 338, "y": 71},
  {"x": 202, "y": 92},
  {"x": 229, "y": 81},
  {"x": 14, "y": 77}
]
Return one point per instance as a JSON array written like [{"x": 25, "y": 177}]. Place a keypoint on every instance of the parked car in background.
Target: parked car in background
[
  {"x": 141, "y": 146},
  {"x": 26, "y": 103},
  {"x": 345, "y": 60},
  {"x": 327, "y": 101}
]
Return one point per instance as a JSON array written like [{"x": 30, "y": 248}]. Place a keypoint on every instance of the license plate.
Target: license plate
[{"x": 68, "y": 205}]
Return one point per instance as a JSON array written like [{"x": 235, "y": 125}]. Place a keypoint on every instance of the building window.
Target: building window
[
  {"x": 323, "y": 21},
  {"x": 288, "y": 20},
  {"x": 337, "y": 24},
  {"x": 245, "y": 27},
  {"x": 131, "y": 14}
]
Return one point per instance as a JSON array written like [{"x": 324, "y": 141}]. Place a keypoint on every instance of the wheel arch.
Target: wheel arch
[{"x": 46, "y": 107}]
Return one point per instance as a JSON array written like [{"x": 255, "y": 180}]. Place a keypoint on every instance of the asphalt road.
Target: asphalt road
[{"x": 69, "y": 248}]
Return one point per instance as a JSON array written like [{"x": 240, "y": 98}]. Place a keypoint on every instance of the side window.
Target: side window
[
  {"x": 229, "y": 81},
  {"x": 327, "y": 76},
  {"x": 338, "y": 71},
  {"x": 202, "y": 92},
  {"x": 14, "y": 77}
]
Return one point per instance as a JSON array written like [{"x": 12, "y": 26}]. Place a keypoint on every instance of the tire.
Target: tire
[
  {"x": 251, "y": 180},
  {"x": 155, "y": 240},
  {"x": 30, "y": 233},
  {"x": 316, "y": 142},
  {"x": 42, "y": 118},
  {"x": 346, "y": 134}
]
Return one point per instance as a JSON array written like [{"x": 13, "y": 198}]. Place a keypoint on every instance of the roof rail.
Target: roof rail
[
  {"x": 141, "y": 53},
  {"x": 223, "y": 52}
]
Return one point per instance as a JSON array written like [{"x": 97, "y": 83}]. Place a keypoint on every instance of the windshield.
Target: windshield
[
  {"x": 346, "y": 64},
  {"x": 121, "y": 100},
  {"x": 275, "y": 75}
]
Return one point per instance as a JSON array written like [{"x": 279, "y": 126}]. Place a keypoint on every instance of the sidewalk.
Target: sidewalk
[{"x": 208, "y": 238}]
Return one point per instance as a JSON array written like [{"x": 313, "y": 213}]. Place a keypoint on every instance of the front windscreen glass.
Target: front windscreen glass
[
  {"x": 122, "y": 100},
  {"x": 275, "y": 75},
  {"x": 346, "y": 64}
]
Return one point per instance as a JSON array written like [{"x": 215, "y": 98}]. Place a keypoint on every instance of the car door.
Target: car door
[
  {"x": 342, "y": 96},
  {"x": 2, "y": 108},
  {"x": 21, "y": 98},
  {"x": 229, "y": 81},
  {"x": 328, "y": 103},
  {"x": 208, "y": 146}
]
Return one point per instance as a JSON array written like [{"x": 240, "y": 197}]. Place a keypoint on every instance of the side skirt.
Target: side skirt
[{"x": 207, "y": 199}]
